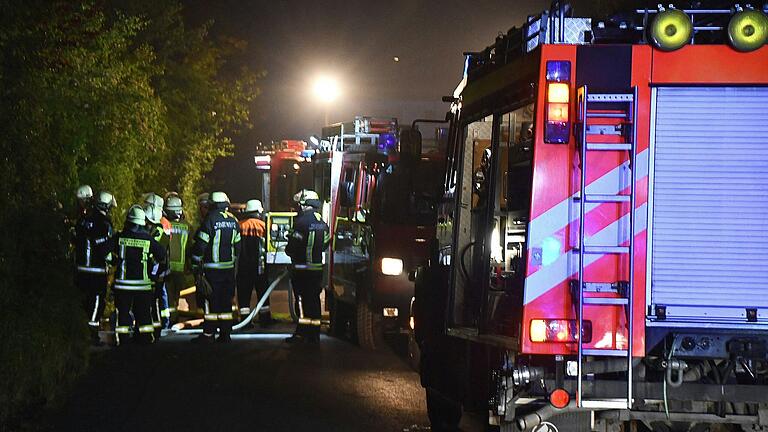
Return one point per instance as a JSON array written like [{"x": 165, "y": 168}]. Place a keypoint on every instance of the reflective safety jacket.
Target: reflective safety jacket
[
  {"x": 177, "y": 249},
  {"x": 217, "y": 241},
  {"x": 136, "y": 257},
  {"x": 92, "y": 233},
  {"x": 307, "y": 241},
  {"x": 253, "y": 249},
  {"x": 163, "y": 237}
]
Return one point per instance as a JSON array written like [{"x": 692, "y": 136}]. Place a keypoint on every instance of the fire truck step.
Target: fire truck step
[
  {"x": 606, "y": 301},
  {"x": 606, "y": 249},
  {"x": 602, "y": 97},
  {"x": 604, "y": 404},
  {"x": 601, "y": 198},
  {"x": 606, "y": 115},
  {"x": 604, "y": 352},
  {"x": 609, "y": 146}
]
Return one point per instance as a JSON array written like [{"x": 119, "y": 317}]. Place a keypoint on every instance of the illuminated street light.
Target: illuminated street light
[{"x": 326, "y": 89}]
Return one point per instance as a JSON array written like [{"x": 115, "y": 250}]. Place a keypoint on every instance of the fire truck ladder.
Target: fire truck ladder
[{"x": 598, "y": 109}]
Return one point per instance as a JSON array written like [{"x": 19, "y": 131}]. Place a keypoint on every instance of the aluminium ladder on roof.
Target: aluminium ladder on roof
[{"x": 587, "y": 103}]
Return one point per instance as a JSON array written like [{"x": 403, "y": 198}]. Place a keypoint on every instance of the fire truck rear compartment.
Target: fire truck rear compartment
[{"x": 708, "y": 237}]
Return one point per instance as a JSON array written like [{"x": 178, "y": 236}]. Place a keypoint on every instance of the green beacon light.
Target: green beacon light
[
  {"x": 670, "y": 30},
  {"x": 748, "y": 30}
]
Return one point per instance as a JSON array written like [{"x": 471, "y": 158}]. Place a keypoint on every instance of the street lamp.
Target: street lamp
[{"x": 326, "y": 90}]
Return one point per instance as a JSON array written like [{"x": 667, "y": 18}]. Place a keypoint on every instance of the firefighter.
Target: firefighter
[
  {"x": 251, "y": 267},
  {"x": 177, "y": 250},
  {"x": 84, "y": 197},
  {"x": 214, "y": 256},
  {"x": 92, "y": 233},
  {"x": 134, "y": 253},
  {"x": 160, "y": 311},
  {"x": 202, "y": 205},
  {"x": 307, "y": 242}
]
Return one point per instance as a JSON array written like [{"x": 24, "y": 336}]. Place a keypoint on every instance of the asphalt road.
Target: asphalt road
[{"x": 256, "y": 383}]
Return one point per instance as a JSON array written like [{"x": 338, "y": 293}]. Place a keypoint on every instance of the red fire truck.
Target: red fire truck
[
  {"x": 287, "y": 168},
  {"x": 380, "y": 193},
  {"x": 603, "y": 250}
]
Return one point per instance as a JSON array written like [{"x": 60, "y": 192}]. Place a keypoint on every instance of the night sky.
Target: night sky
[{"x": 295, "y": 41}]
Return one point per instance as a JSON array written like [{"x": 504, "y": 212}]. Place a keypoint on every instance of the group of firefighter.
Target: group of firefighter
[{"x": 147, "y": 264}]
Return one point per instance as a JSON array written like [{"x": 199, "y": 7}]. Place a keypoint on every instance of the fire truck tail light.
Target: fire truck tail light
[
  {"x": 392, "y": 266},
  {"x": 559, "y": 398},
  {"x": 558, "y": 92},
  {"x": 557, "y": 127},
  {"x": 557, "y": 112},
  {"x": 555, "y": 330}
]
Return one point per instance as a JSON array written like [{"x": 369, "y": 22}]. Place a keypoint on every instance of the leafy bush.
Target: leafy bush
[{"x": 122, "y": 97}]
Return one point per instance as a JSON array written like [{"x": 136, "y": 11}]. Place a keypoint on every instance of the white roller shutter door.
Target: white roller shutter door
[{"x": 709, "y": 231}]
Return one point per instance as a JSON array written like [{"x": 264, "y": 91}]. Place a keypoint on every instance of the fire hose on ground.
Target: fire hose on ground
[{"x": 250, "y": 316}]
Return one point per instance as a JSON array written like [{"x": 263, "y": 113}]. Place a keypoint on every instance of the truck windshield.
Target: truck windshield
[{"x": 408, "y": 191}]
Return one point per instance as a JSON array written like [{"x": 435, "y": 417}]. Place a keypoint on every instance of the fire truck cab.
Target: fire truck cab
[
  {"x": 603, "y": 243},
  {"x": 381, "y": 195}
]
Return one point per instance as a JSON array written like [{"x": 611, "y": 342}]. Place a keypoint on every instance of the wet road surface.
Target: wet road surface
[{"x": 255, "y": 383}]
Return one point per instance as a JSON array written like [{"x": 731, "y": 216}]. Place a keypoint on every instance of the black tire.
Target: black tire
[
  {"x": 369, "y": 327},
  {"x": 337, "y": 315},
  {"x": 291, "y": 302}
]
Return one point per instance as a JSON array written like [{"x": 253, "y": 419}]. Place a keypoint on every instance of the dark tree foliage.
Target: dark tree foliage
[{"x": 120, "y": 95}]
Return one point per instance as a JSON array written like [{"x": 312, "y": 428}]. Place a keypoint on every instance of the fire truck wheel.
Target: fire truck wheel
[
  {"x": 368, "y": 324},
  {"x": 338, "y": 317},
  {"x": 414, "y": 353}
]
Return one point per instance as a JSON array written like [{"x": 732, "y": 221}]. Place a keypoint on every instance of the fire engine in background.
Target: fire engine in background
[
  {"x": 380, "y": 193},
  {"x": 604, "y": 250},
  {"x": 288, "y": 169}
]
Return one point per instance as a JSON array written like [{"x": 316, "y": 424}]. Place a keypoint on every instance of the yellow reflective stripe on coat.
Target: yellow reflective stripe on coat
[
  {"x": 146, "y": 329},
  {"x": 122, "y": 330},
  {"x": 211, "y": 317},
  {"x": 226, "y": 316}
]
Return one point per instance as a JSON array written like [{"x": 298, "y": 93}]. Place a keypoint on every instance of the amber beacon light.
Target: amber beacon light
[
  {"x": 748, "y": 30},
  {"x": 670, "y": 30}
]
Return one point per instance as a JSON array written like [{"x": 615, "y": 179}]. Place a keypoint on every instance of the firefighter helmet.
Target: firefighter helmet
[
  {"x": 173, "y": 203},
  {"x": 136, "y": 215},
  {"x": 305, "y": 195},
  {"x": 105, "y": 201},
  {"x": 219, "y": 197},
  {"x": 254, "y": 206},
  {"x": 202, "y": 199},
  {"x": 153, "y": 214},
  {"x": 153, "y": 199},
  {"x": 84, "y": 193}
]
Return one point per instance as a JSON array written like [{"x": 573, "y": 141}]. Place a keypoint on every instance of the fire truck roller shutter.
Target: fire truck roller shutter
[{"x": 709, "y": 232}]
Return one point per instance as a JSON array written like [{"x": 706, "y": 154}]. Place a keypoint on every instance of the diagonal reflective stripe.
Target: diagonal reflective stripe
[
  {"x": 202, "y": 235},
  {"x": 560, "y": 216},
  {"x": 566, "y": 265}
]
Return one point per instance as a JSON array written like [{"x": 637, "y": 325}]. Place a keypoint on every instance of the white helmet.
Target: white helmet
[
  {"x": 154, "y": 199},
  {"x": 105, "y": 201},
  {"x": 136, "y": 215},
  {"x": 84, "y": 193},
  {"x": 219, "y": 198},
  {"x": 254, "y": 206},
  {"x": 173, "y": 203},
  {"x": 202, "y": 199},
  {"x": 153, "y": 214},
  {"x": 304, "y": 195}
]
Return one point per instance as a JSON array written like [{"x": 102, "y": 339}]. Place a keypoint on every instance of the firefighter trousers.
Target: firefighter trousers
[
  {"x": 139, "y": 302},
  {"x": 307, "y": 288},
  {"x": 161, "y": 313},
  {"x": 218, "y": 308},
  {"x": 93, "y": 287},
  {"x": 174, "y": 284},
  {"x": 249, "y": 280}
]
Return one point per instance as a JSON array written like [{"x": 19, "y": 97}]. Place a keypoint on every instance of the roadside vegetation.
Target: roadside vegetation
[{"x": 120, "y": 95}]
